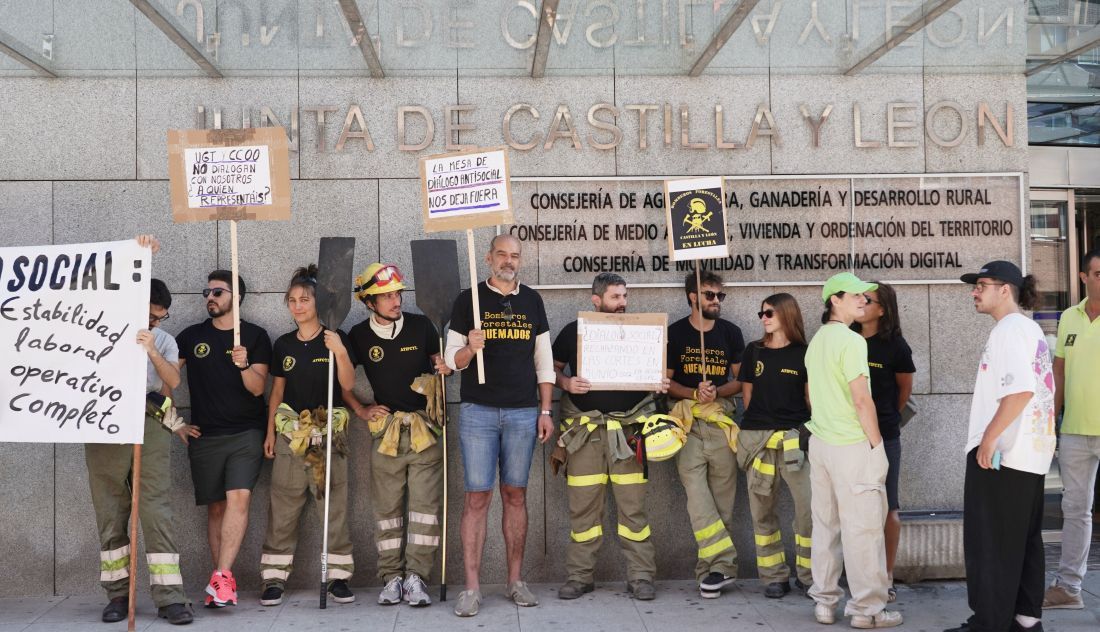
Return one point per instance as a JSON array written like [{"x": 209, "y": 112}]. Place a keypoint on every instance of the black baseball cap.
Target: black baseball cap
[{"x": 1001, "y": 270}]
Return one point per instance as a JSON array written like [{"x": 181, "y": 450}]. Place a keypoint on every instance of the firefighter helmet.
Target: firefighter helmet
[
  {"x": 378, "y": 279},
  {"x": 663, "y": 437}
]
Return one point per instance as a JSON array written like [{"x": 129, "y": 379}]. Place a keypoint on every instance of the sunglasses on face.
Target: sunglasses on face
[
  {"x": 767, "y": 313},
  {"x": 870, "y": 301},
  {"x": 710, "y": 296},
  {"x": 217, "y": 292}
]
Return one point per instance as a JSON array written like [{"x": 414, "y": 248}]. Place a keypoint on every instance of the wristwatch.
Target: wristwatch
[{"x": 548, "y": 413}]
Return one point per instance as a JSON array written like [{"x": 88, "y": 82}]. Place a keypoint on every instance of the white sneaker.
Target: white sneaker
[
  {"x": 391, "y": 593},
  {"x": 416, "y": 593},
  {"x": 824, "y": 614},
  {"x": 884, "y": 619}
]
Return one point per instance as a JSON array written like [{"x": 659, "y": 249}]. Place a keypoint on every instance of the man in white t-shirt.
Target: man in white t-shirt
[{"x": 1008, "y": 452}]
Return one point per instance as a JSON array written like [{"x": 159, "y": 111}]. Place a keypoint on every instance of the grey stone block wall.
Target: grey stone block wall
[{"x": 92, "y": 167}]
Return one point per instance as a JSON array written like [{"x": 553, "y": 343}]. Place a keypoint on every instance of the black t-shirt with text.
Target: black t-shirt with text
[
  {"x": 565, "y": 350},
  {"x": 391, "y": 364},
  {"x": 305, "y": 367},
  {"x": 511, "y": 324},
  {"x": 220, "y": 404},
  {"x": 778, "y": 378},
  {"x": 724, "y": 344},
  {"x": 887, "y": 357}
]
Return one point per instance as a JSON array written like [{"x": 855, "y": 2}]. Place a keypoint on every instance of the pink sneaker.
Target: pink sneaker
[{"x": 222, "y": 589}]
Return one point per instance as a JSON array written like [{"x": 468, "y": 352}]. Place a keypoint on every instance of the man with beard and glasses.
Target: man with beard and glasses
[
  {"x": 707, "y": 463},
  {"x": 500, "y": 420},
  {"x": 229, "y": 420},
  {"x": 399, "y": 352},
  {"x": 594, "y": 428}
]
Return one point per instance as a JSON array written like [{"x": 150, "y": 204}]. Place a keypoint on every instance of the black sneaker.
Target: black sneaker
[
  {"x": 963, "y": 627},
  {"x": 116, "y": 610},
  {"x": 176, "y": 613},
  {"x": 273, "y": 596},
  {"x": 339, "y": 591},
  {"x": 715, "y": 582},
  {"x": 776, "y": 590}
]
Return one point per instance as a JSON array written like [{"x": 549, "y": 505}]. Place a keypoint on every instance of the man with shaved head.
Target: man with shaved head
[{"x": 500, "y": 420}]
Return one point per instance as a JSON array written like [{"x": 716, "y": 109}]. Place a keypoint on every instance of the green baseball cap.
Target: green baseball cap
[{"x": 845, "y": 282}]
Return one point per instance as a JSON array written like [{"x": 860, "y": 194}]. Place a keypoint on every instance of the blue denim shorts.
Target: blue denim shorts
[{"x": 496, "y": 438}]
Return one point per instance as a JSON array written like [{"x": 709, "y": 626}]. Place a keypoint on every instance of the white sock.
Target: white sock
[{"x": 1026, "y": 621}]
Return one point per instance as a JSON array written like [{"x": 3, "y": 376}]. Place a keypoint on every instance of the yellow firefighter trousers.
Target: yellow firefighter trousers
[
  {"x": 291, "y": 488},
  {"x": 588, "y": 471},
  {"x": 109, "y": 479},
  {"x": 420, "y": 477},
  {"x": 771, "y": 559},
  {"x": 708, "y": 471}
]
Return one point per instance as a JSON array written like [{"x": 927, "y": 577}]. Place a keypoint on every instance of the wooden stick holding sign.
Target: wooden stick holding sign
[
  {"x": 463, "y": 191},
  {"x": 702, "y": 334},
  {"x": 135, "y": 500},
  {"x": 695, "y": 212},
  {"x": 236, "y": 284},
  {"x": 474, "y": 296},
  {"x": 229, "y": 174}
]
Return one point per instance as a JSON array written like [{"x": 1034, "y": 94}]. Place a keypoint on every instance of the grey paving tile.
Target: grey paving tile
[{"x": 24, "y": 610}]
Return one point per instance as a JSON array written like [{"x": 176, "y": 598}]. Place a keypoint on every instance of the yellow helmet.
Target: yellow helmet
[
  {"x": 378, "y": 279},
  {"x": 663, "y": 437}
]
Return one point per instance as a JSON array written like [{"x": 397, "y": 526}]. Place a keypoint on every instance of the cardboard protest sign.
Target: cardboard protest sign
[
  {"x": 72, "y": 370},
  {"x": 468, "y": 189},
  {"x": 621, "y": 352},
  {"x": 696, "y": 218},
  {"x": 231, "y": 174}
]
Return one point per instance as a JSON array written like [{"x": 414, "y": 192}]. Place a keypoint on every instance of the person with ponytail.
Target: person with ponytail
[
  {"x": 773, "y": 378},
  {"x": 1009, "y": 448},
  {"x": 848, "y": 465},
  {"x": 892, "y": 369},
  {"x": 295, "y": 439}
]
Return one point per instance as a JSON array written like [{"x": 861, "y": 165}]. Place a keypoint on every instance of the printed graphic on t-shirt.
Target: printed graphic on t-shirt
[
  {"x": 1042, "y": 418},
  {"x": 500, "y": 323},
  {"x": 376, "y": 354},
  {"x": 759, "y": 370},
  {"x": 202, "y": 350},
  {"x": 288, "y": 363},
  {"x": 717, "y": 364},
  {"x": 1070, "y": 339}
]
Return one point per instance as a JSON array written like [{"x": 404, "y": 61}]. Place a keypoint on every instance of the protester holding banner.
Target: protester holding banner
[
  {"x": 228, "y": 421},
  {"x": 295, "y": 439},
  {"x": 399, "y": 352},
  {"x": 500, "y": 420},
  {"x": 594, "y": 430},
  {"x": 849, "y": 465},
  {"x": 109, "y": 472},
  {"x": 891, "y": 362},
  {"x": 704, "y": 404},
  {"x": 773, "y": 378}
]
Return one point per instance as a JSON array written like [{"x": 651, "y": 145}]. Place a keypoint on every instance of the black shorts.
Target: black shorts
[
  {"x": 893, "y": 456},
  {"x": 224, "y": 462}
]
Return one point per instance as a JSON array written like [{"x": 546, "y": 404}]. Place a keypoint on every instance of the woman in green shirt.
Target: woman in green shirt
[{"x": 848, "y": 465}]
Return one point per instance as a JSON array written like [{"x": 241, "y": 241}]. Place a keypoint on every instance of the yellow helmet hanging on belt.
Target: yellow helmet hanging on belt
[
  {"x": 663, "y": 437},
  {"x": 378, "y": 279}
]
